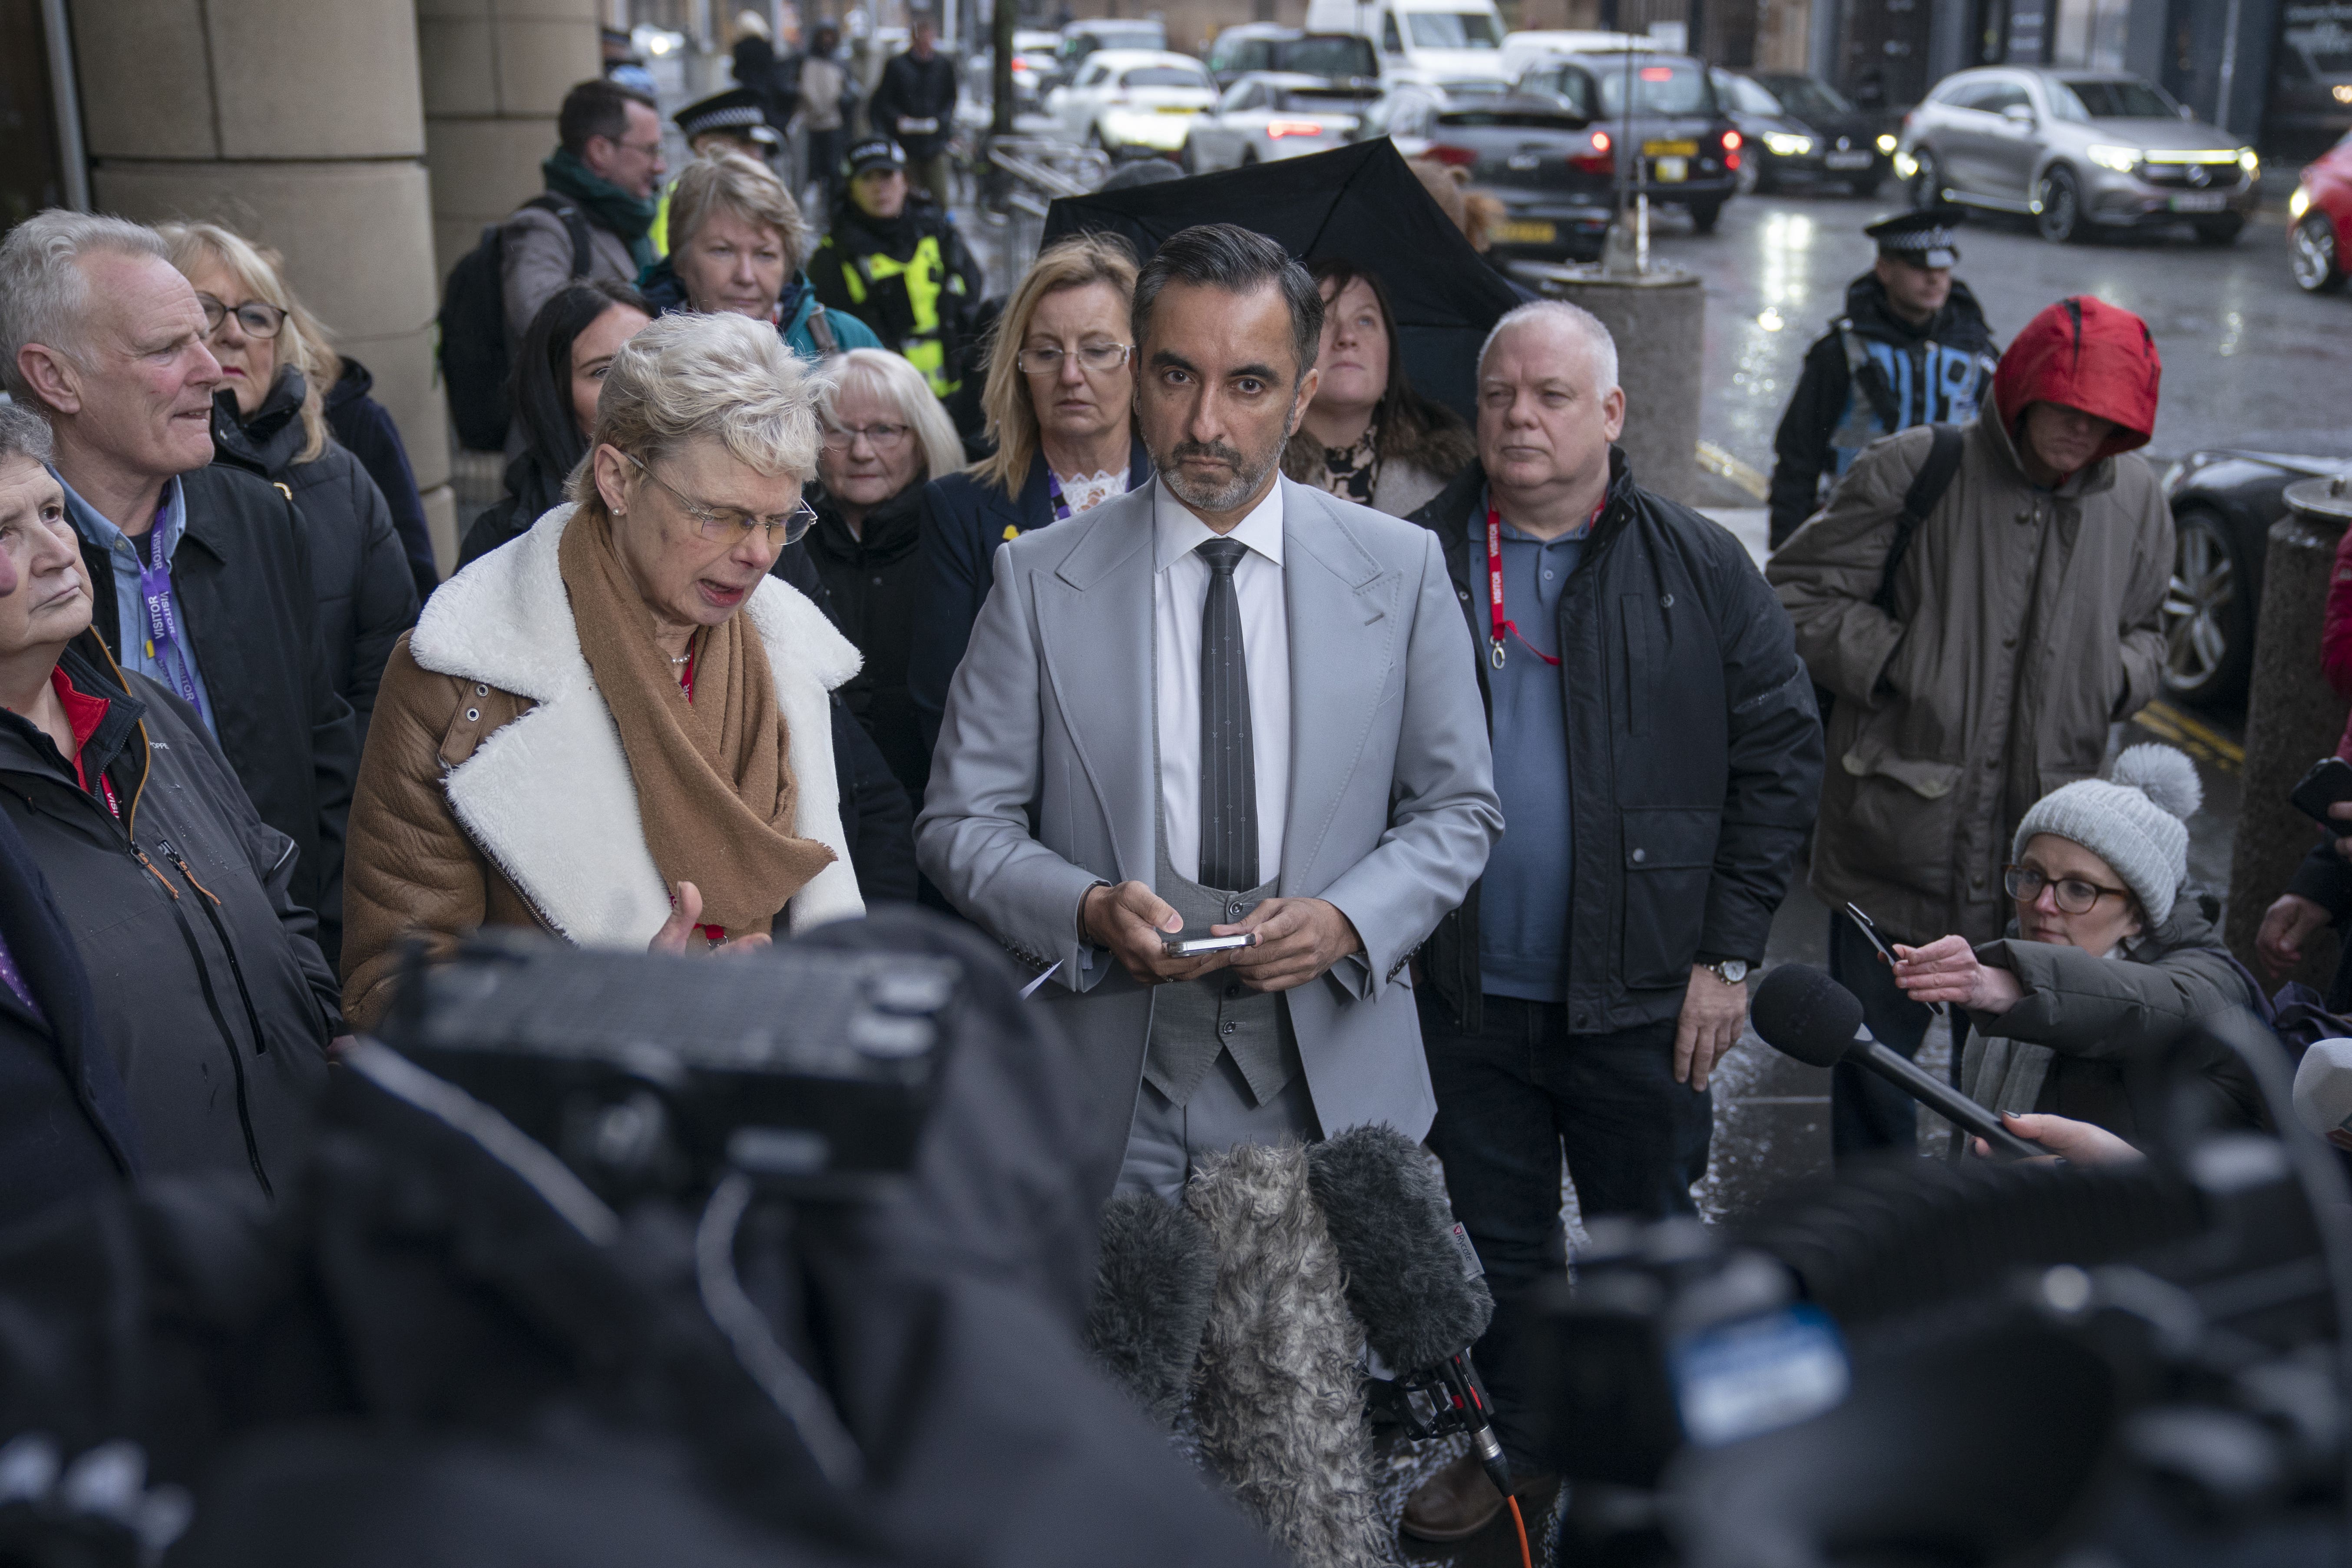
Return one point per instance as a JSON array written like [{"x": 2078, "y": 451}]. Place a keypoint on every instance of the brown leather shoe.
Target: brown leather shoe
[{"x": 1455, "y": 1504}]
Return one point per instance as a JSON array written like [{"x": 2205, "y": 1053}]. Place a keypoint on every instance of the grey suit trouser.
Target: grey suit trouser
[{"x": 1166, "y": 1140}]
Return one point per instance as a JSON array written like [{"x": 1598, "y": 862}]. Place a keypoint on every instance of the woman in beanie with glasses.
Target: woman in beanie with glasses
[{"x": 2112, "y": 959}]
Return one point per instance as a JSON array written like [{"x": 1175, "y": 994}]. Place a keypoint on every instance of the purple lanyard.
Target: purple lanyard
[
  {"x": 162, "y": 620},
  {"x": 1054, "y": 494}
]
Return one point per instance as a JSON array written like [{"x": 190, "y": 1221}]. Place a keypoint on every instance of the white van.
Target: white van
[{"x": 1433, "y": 41}]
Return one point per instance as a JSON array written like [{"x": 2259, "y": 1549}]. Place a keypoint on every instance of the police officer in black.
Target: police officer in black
[
  {"x": 1911, "y": 349},
  {"x": 899, "y": 266}
]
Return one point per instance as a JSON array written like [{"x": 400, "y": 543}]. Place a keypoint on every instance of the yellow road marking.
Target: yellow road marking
[
  {"x": 1748, "y": 477},
  {"x": 2196, "y": 739}
]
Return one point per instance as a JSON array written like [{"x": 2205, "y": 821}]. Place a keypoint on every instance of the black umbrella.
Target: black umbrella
[{"x": 1361, "y": 202}]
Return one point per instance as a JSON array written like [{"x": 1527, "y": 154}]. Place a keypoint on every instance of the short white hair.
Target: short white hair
[
  {"x": 43, "y": 290},
  {"x": 898, "y": 384},
  {"x": 724, "y": 378},
  {"x": 1583, "y": 323}
]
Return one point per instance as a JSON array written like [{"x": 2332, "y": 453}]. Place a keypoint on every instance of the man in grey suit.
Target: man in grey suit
[{"x": 1225, "y": 704}]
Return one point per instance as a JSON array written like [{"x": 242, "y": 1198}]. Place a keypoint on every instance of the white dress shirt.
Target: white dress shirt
[{"x": 1179, "y": 588}]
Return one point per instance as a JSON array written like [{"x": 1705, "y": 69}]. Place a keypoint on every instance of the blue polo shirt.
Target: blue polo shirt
[
  {"x": 1523, "y": 899},
  {"x": 175, "y": 671}
]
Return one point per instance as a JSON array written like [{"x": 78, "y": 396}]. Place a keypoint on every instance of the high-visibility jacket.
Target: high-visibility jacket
[{"x": 917, "y": 297}]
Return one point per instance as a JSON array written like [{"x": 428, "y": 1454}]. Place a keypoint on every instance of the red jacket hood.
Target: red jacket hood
[{"x": 2087, "y": 354}]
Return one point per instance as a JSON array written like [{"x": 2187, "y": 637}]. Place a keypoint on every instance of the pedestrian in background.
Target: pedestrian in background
[
  {"x": 1657, "y": 758},
  {"x": 739, "y": 247},
  {"x": 770, "y": 81},
  {"x": 914, "y": 105},
  {"x": 885, "y": 435},
  {"x": 1368, "y": 436},
  {"x": 269, "y": 416},
  {"x": 200, "y": 571},
  {"x": 1911, "y": 349},
  {"x": 1060, "y": 406},
  {"x": 606, "y": 168},
  {"x": 901, "y": 268},
  {"x": 2024, "y": 618},
  {"x": 557, "y": 377},
  {"x": 199, "y": 1039},
  {"x": 827, "y": 99}
]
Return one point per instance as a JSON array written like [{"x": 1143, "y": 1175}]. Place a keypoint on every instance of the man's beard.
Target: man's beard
[{"x": 1247, "y": 475}]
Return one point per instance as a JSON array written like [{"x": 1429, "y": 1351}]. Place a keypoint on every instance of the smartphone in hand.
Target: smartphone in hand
[
  {"x": 2327, "y": 784},
  {"x": 1869, "y": 927},
  {"x": 1197, "y": 944}
]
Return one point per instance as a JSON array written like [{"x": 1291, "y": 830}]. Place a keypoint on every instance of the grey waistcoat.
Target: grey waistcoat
[{"x": 1193, "y": 1020}]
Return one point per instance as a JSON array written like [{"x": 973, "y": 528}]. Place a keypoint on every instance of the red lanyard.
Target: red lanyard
[{"x": 1495, "y": 596}]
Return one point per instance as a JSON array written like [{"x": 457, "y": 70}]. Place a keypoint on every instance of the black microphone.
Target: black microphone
[
  {"x": 1412, "y": 1279},
  {"x": 1800, "y": 1012}
]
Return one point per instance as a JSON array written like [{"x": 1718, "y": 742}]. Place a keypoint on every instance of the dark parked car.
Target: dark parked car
[
  {"x": 2224, "y": 503},
  {"x": 1854, "y": 144},
  {"x": 1342, "y": 57},
  {"x": 1675, "y": 140},
  {"x": 1551, "y": 170}
]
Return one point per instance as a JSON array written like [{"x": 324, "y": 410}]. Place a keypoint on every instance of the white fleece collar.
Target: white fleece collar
[{"x": 549, "y": 797}]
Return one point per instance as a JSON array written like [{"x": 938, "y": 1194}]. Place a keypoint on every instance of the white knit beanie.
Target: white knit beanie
[{"x": 2135, "y": 819}]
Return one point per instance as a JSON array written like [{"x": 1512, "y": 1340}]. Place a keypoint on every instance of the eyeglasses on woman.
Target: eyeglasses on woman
[{"x": 727, "y": 525}]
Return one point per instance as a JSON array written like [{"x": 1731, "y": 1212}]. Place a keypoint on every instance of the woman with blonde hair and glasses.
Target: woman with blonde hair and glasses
[
  {"x": 1060, "y": 401},
  {"x": 617, "y": 729},
  {"x": 269, "y": 416},
  {"x": 739, "y": 247},
  {"x": 885, "y": 434}
]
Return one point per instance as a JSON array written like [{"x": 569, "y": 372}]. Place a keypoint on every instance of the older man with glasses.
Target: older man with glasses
[
  {"x": 596, "y": 217},
  {"x": 201, "y": 573}
]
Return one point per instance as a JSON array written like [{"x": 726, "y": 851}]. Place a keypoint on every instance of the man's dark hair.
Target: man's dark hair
[
  {"x": 597, "y": 108},
  {"x": 1240, "y": 261}
]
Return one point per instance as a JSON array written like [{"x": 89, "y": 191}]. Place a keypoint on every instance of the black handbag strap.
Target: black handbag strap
[{"x": 1928, "y": 487}]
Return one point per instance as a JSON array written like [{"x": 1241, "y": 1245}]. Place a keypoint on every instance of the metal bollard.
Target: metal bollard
[
  {"x": 1658, "y": 319},
  {"x": 2293, "y": 716}
]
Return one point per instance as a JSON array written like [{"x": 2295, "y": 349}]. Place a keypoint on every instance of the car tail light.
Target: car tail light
[
  {"x": 1731, "y": 143},
  {"x": 1601, "y": 142},
  {"x": 1597, "y": 160},
  {"x": 1731, "y": 161},
  {"x": 1280, "y": 128},
  {"x": 1460, "y": 157}
]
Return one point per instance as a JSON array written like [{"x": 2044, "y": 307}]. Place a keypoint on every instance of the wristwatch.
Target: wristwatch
[{"x": 1730, "y": 971}]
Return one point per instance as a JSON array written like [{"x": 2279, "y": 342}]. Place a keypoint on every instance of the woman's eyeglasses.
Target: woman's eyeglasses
[
  {"x": 725, "y": 525},
  {"x": 2076, "y": 896},
  {"x": 255, "y": 319},
  {"x": 881, "y": 437},
  {"x": 1096, "y": 357}
]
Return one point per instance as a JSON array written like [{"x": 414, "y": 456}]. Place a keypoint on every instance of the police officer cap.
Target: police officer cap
[
  {"x": 1924, "y": 237},
  {"x": 734, "y": 112},
  {"x": 875, "y": 152}
]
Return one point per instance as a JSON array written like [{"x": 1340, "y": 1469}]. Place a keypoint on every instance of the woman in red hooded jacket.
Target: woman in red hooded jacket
[{"x": 2023, "y": 621}]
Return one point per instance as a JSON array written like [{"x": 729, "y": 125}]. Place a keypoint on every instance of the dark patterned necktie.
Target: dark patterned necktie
[{"x": 1228, "y": 762}]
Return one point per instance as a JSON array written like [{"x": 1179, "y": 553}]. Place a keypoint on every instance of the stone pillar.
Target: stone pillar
[
  {"x": 1658, "y": 319},
  {"x": 2293, "y": 718},
  {"x": 297, "y": 123}
]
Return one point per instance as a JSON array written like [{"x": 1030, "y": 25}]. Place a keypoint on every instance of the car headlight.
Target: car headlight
[
  {"x": 1905, "y": 166},
  {"x": 2122, "y": 159},
  {"x": 2297, "y": 204},
  {"x": 1886, "y": 144},
  {"x": 1781, "y": 144},
  {"x": 2251, "y": 161}
]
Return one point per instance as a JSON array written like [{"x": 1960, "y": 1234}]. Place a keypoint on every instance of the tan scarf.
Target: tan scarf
[{"x": 714, "y": 779}]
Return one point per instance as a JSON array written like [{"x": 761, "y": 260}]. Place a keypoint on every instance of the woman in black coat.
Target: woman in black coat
[
  {"x": 1060, "y": 389},
  {"x": 885, "y": 434},
  {"x": 558, "y": 373},
  {"x": 269, "y": 416},
  {"x": 368, "y": 431}
]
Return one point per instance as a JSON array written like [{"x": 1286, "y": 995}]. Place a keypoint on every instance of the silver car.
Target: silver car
[
  {"x": 1268, "y": 115},
  {"x": 2077, "y": 151}
]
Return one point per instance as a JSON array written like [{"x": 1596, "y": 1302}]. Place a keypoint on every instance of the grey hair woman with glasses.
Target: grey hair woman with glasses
[
  {"x": 618, "y": 729},
  {"x": 2111, "y": 961},
  {"x": 1059, "y": 400},
  {"x": 885, "y": 434}
]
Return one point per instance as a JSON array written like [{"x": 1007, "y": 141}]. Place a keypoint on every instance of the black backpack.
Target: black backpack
[{"x": 473, "y": 321}]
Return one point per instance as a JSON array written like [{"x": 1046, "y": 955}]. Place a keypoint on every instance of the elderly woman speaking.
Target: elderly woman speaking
[{"x": 616, "y": 728}]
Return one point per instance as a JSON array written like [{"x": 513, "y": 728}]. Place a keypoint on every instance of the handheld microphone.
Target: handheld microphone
[{"x": 1800, "y": 1012}]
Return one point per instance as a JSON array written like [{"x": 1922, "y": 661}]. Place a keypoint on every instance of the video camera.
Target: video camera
[{"x": 1975, "y": 1364}]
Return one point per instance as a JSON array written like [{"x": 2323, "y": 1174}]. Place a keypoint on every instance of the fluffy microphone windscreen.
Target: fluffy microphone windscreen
[
  {"x": 2323, "y": 1087},
  {"x": 1153, "y": 1289},
  {"x": 1800, "y": 1012},
  {"x": 1389, "y": 1218}
]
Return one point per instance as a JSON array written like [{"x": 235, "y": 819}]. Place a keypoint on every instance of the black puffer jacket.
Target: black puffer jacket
[
  {"x": 873, "y": 580},
  {"x": 368, "y": 431},
  {"x": 207, "y": 986},
  {"x": 1694, "y": 754},
  {"x": 243, "y": 580},
  {"x": 367, "y": 596}
]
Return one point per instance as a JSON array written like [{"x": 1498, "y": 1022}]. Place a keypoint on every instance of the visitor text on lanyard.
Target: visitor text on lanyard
[{"x": 163, "y": 619}]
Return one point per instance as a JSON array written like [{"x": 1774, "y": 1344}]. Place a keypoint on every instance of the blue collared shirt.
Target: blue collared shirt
[
  {"x": 1523, "y": 897},
  {"x": 180, "y": 674}
]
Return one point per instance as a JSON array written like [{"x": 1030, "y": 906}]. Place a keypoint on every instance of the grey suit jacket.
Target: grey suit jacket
[{"x": 1043, "y": 783}]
